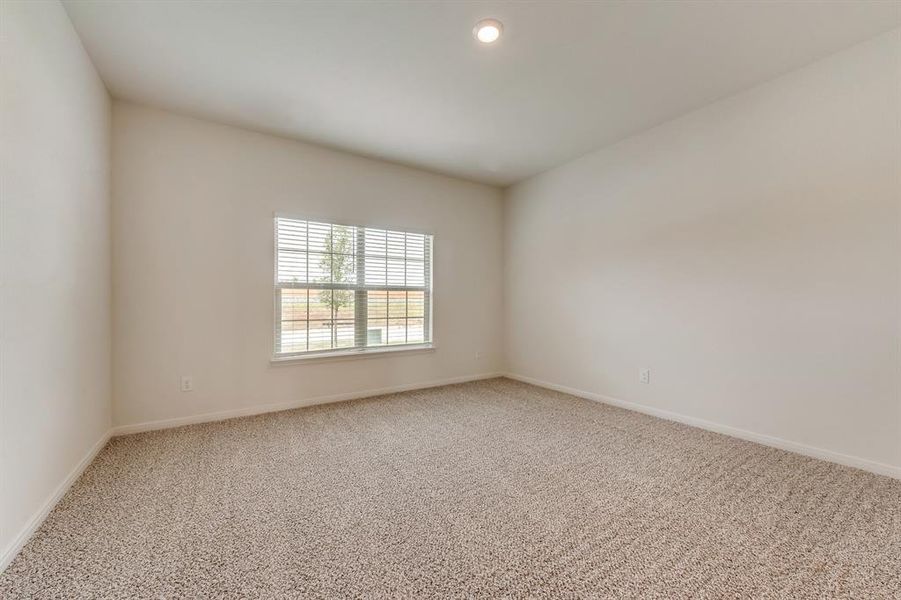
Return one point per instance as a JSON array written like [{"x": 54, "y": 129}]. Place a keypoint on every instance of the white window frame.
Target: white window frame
[{"x": 361, "y": 313}]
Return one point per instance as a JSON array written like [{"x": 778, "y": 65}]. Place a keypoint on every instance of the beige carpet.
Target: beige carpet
[{"x": 489, "y": 489}]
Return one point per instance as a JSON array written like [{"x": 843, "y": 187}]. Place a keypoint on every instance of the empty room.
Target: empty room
[{"x": 450, "y": 299}]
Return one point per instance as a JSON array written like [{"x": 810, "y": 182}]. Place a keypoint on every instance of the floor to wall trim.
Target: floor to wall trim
[
  {"x": 267, "y": 408},
  {"x": 15, "y": 546},
  {"x": 766, "y": 440}
]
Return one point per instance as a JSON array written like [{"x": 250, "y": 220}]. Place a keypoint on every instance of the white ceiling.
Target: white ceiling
[{"x": 406, "y": 81}]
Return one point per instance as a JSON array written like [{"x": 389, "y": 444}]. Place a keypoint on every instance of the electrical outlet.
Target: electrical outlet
[
  {"x": 644, "y": 376},
  {"x": 478, "y": 356},
  {"x": 187, "y": 383}
]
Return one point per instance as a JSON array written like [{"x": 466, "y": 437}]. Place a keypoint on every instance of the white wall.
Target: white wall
[
  {"x": 55, "y": 238},
  {"x": 748, "y": 253},
  {"x": 193, "y": 205}
]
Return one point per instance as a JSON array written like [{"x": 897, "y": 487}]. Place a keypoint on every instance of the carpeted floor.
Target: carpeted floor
[{"x": 488, "y": 489}]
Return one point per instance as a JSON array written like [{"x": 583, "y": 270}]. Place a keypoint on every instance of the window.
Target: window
[{"x": 343, "y": 288}]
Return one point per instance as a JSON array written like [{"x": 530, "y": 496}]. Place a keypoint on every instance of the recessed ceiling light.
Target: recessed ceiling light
[{"x": 488, "y": 31}]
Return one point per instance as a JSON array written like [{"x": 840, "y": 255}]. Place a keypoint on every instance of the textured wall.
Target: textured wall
[
  {"x": 55, "y": 236},
  {"x": 193, "y": 208},
  {"x": 747, "y": 253}
]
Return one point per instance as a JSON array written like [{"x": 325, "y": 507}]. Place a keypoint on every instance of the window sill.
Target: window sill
[{"x": 351, "y": 354}]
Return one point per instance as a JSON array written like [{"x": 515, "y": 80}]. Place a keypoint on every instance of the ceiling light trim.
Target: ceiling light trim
[{"x": 488, "y": 31}]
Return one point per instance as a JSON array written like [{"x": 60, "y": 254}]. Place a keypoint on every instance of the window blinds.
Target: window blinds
[{"x": 346, "y": 288}]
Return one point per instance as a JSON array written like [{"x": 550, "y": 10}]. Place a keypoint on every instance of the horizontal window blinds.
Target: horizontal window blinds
[{"x": 343, "y": 287}]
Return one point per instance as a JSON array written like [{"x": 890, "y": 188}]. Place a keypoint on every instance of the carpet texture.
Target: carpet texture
[{"x": 486, "y": 489}]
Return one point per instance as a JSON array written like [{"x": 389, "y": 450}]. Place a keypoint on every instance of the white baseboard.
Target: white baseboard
[
  {"x": 15, "y": 546},
  {"x": 267, "y": 408},
  {"x": 766, "y": 440}
]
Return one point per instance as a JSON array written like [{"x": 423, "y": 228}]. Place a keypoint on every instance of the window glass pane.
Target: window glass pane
[
  {"x": 415, "y": 246},
  {"x": 415, "y": 273},
  {"x": 294, "y": 336},
  {"x": 376, "y": 271},
  {"x": 344, "y": 334},
  {"x": 320, "y": 268},
  {"x": 377, "y": 332},
  {"x": 343, "y": 304},
  {"x": 415, "y": 304},
  {"x": 415, "y": 331},
  {"x": 292, "y": 234},
  {"x": 396, "y": 271},
  {"x": 320, "y": 304},
  {"x": 292, "y": 266},
  {"x": 320, "y": 335},
  {"x": 377, "y": 305},
  {"x": 318, "y": 233},
  {"x": 328, "y": 304},
  {"x": 376, "y": 242},
  {"x": 397, "y": 304},
  {"x": 344, "y": 268},
  {"x": 294, "y": 304},
  {"x": 396, "y": 244},
  {"x": 341, "y": 245},
  {"x": 397, "y": 331}
]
